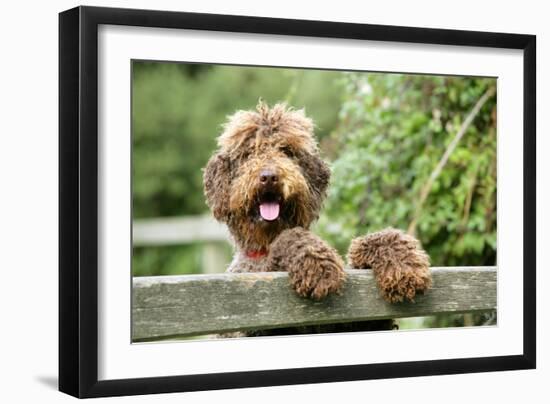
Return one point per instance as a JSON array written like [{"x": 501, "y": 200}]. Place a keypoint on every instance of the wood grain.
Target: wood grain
[{"x": 166, "y": 306}]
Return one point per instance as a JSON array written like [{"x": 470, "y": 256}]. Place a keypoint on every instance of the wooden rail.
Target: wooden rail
[
  {"x": 177, "y": 230},
  {"x": 169, "y": 306}
]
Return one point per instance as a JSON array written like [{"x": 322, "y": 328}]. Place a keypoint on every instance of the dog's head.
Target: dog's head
[{"x": 267, "y": 174}]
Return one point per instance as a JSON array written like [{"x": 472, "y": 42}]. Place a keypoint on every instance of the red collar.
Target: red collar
[{"x": 255, "y": 254}]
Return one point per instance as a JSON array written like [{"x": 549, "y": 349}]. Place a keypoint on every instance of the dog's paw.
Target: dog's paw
[
  {"x": 399, "y": 282},
  {"x": 321, "y": 272},
  {"x": 315, "y": 269},
  {"x": 401, "y": 266}
]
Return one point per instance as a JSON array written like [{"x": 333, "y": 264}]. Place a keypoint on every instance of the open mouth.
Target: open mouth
[{"x": 270, "y": 206}]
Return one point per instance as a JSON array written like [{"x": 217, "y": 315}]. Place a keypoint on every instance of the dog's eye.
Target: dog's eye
[{"x": 287, "y": 150}]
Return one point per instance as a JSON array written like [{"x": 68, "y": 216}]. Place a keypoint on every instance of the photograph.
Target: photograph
[
  {"x": 277, "y": 201},
  {"x": 250, "y": 201}
]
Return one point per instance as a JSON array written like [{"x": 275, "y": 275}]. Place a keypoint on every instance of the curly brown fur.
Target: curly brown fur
[
  {"x": 267, "y": 182},
  {"x": 315, "y": 269},
  {"x": 400, "y": 265},
  {"x": 216, "y": 185},
  {"x": 277, "y": 139}
]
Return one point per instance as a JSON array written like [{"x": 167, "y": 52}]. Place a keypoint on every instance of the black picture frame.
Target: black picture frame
[{"x": 78, "y": 200}]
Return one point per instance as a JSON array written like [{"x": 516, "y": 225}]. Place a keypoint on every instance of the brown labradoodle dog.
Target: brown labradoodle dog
[{"x": 267, "y": 182}]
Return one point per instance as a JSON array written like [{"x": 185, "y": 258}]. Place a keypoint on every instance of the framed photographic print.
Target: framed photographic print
[{"x": 250, "y": 201}]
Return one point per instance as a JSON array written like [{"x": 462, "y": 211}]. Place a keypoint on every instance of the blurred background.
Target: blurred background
[{"x": 416, "y": 152}]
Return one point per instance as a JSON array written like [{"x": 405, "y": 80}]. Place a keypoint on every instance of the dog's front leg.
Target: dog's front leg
[
  {"x": 315, "y": 268},
  {"x": 400, "y": 265}
]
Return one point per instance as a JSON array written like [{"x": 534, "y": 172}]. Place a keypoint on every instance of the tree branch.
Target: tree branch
[{"x": 443, "y": 161}]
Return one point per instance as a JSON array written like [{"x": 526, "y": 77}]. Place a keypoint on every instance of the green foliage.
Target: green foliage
[
  {"x": 166, "y": 260},
  {"x": 384, "y": 134},
  {"x": 177, "y": 113},
  {"x": 449, "y": 320},
  {"x": 393, "y": 130},
  {"x": 172, "y": 260}
]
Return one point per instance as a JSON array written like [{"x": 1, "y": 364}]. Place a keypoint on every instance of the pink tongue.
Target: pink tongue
[{"x": 269, "y": 210}]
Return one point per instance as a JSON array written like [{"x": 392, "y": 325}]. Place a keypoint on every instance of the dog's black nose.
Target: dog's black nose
[{"x": 268, "y": 177}]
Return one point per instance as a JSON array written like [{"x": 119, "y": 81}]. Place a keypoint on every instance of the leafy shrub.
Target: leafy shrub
[{"x": 393, "y": 130}]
